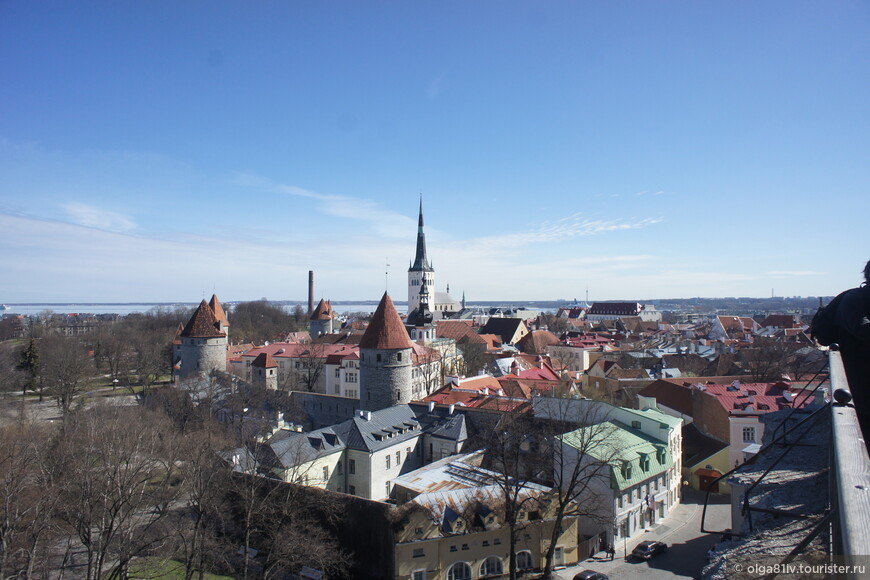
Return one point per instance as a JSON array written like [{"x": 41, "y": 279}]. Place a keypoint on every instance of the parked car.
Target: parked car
[
  {"x": 648, "y": 549},
  {"x": 590, "y": 575}
]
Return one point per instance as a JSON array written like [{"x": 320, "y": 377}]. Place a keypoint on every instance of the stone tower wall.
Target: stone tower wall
[
  {"x": 319, "y": 327},
  {"x": 386, "y": 382},
  {"x": 201, "y": 355}
]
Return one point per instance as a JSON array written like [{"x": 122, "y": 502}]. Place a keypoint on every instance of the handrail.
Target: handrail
[{"x": 850, "y": 468}]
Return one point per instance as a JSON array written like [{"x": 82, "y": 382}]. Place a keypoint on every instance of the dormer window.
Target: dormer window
[
  {"x": 644, "y": 462},
  {"x": 626, "y": 470}
]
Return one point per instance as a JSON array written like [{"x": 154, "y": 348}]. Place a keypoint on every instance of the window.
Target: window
[
  {"x": 379, "y": 357},
  {"x": 452, "y": 548},
  {"x": 619, "y": 501},
  {"x": 496, "y": 542},
  {"x": 418, "y": 553},
  {"x": 635, "y": 424},
  {"x": 459, "y": 571},
  {"x": 352, "y": 466},
  {"x": 326, "y": 473},
  {"x": 337, "y": 371},
  {"x": 398, "y": 356},
  {"x": 388, "y": 461},
  {"x": 398, "y": 458},
  {"x": 338, "y": 469},
  {"x": 524, "y": 560},
  {"x": 387, "y": 485},
  {"x": 492, "y": 566},
  {"x": 418, "y": 575},
  {"x": 464, "y": 546},
  {"x": 749, "y": 434},
  {"x": 418, "y": 531},
  {"x": 352, "y": 490}
]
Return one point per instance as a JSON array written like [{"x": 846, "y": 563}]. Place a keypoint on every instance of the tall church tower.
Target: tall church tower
[
  {"x": 421, "y": 270},
  {"x": 385, "y": 360}
]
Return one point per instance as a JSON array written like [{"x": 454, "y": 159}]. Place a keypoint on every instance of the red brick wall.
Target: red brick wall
[{"x": 710, "y": 416}]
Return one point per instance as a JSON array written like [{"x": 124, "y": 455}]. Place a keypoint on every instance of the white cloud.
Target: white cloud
[
  {"x": 792, "y": 273},
  {"x": 383, "y": 221},
  {"x": 101, "y": 219}
]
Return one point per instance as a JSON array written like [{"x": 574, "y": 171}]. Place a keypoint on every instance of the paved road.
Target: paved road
[{"x": 681, "y": 531}]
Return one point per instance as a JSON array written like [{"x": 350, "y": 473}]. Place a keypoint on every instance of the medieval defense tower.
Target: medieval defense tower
[
  {"x": 201, "y": 345},
  {"x": 322, "y": 320},
  {"x": 385, "y": 360},
  {"x": 421, "y": 271}
]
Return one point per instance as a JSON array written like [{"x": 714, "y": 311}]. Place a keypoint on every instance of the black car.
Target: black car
[
  {"x": 648, "y": 549},
  {"x": 590, "y": 575}
]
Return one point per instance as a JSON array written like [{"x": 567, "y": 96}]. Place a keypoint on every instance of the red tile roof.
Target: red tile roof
[
  {"x": 753, "y": 397},
  {"x": 323, "y": 311},
  {"x": 202, "y": 324},
  {"x": 386, "y": 331},
  {"x": 265, "y": 360},
  {"x": 537, "y": 341},
  {"x": 218, "y": 310}
]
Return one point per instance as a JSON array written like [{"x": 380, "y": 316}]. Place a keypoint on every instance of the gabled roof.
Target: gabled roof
[
  {"x": 386, "y": 330},
  {"x": 265, "y": 360},
  {"x": 202, "y": 324},
  {"x": 537, "y": 341},
  {"x": 506, "y": 328}
]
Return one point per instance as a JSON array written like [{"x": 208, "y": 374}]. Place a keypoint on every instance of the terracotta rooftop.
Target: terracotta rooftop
[
  {"x": 323, "y": 311},
  {"x": 218, "y": 310},
  {"x": 386, "y": 331},
  {"x": 265, "y": 360},
  {"x": 537, "y": 341},
  {"x": 202, "y": 324}
]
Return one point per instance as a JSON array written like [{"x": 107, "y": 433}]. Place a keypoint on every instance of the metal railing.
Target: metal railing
[
  {"x": 850, "y": 471},
  {"x": 848, "y": 513}
]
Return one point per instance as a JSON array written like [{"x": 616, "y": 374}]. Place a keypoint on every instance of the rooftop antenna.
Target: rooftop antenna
[{"x": 387, "y": 276}]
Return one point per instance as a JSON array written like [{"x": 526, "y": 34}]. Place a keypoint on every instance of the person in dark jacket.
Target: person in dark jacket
[{"x": 853, "y": 322}]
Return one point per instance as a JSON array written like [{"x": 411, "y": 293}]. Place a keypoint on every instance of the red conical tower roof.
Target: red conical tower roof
[
  {"x": 202, "y": 324},
  {"x": 323, "y": 311},
  {"x": 386, "y": 330},
  {"x": 218, "y": 310}
]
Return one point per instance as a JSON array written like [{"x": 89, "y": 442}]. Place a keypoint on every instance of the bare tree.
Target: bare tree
[
  {"x": 26, "y": 507},
  {"x": 65, "y": 366},
  {"x": 582, "y": 457},
  {"x": 115, "y": 471},
  {"x": 205, "y": 479},
  {"x": 308, "y": 368},
  {"x": 514, "y": 458}
]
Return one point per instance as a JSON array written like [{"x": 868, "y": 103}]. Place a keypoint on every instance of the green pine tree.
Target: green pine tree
[{"x": 29, "y": 363}]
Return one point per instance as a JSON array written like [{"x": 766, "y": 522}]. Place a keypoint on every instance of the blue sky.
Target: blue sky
[{"x": 156, "y": 151}]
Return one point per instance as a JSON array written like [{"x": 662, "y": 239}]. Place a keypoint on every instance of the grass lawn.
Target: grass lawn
[{"x": 160, "y": 569}]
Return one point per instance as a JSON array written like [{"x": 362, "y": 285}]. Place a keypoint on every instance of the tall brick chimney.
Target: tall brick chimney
[{"x": 310, "y": 292}]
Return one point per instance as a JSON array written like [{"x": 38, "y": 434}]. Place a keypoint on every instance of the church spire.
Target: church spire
[{"x": 421, "y": 262}]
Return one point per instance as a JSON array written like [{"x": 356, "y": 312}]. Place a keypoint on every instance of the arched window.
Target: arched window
[
  {"x": 524, "y": 560},
  {"x": 459, "y": 571},
  {"x": 492, "y": 566}
]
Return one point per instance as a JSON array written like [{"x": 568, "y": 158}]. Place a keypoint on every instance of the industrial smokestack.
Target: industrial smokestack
[{"x": 310, "y": 292}]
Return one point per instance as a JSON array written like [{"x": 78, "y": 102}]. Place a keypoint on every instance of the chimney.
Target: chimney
[{"x": 310, "y": 292}]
